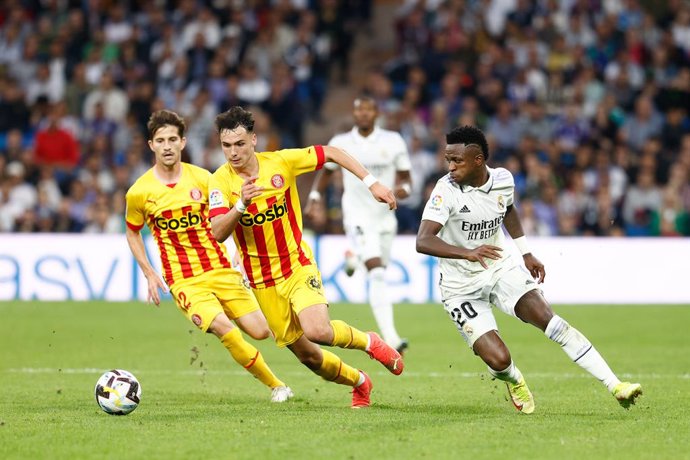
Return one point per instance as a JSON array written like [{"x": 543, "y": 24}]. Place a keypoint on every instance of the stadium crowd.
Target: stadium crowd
[{"x": 584, "y": 101}]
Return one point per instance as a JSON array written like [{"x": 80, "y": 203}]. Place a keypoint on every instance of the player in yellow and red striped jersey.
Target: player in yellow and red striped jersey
[
  {"x": 172, "y": 199},
  {"x": 254, "y": 198}
]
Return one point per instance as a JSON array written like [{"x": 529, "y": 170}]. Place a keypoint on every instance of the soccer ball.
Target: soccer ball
[{"x": 118, "y": 392}]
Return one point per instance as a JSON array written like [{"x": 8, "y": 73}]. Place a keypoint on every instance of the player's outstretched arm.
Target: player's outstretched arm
[
  {"x": 514, "y": 228},
  {"x": 136, "y": 245},
  {"x": 429, "y": 243},
  {"x": 347, "y": 161}
]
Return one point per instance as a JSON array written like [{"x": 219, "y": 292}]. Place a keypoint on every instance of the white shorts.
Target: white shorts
[
  {"x": 471, "y": 311},
  {"x": 371, "y": 241}
]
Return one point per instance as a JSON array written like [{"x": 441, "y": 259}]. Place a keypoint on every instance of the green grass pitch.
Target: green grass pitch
[{"x": 198, "y": 403}]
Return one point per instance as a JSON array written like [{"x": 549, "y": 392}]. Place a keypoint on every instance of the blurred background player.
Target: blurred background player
[
  {"x": 370, "y": 226},
  {"x": 461, "y": 225},
  {"x": 171, "y": 198},
  {"x": 254, "y": 197}
]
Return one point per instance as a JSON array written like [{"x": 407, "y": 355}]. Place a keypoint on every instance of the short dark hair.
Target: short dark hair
[
  {"x": 164, "y": 117},
  {"x": 469, "y": 135},
  {"x": 365, "y": 98},
  {"x": 235, "y": 117}
]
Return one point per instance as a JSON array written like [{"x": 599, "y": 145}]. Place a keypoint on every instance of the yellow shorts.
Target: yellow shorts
[
  {"x": 282, "y": 303},
  {"x": 204, "y": 297}
]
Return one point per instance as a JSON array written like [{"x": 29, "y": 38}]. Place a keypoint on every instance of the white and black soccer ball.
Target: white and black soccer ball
[{"x": 118, "y": 392}]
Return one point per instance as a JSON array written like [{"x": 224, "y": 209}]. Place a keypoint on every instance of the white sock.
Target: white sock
[
  {"x": 361, "y": 379},
  {"x": 580, "y": 350},
  {"x": 381, "y": 306},
  {"x": 510, "y": 374}
]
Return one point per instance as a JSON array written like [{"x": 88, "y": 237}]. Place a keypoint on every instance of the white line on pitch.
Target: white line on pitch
[{"x": 409, "y": 374}]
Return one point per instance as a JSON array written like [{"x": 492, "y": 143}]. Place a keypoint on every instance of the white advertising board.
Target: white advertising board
[{"x": 579, "y": 270}]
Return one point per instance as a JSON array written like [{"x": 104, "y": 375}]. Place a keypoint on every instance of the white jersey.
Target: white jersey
[
  {"x": 383, "y": 153},
  {"x": 471, "y": 217}
]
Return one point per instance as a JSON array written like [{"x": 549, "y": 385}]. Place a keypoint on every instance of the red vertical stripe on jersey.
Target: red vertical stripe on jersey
[
  {"x": 320, "y": 156},
  {"x": 281, "y": 242},
  {"x": 181, "y": 255},
  {"x": 219, "y": 251},
  {"x": 193, "y": 235},
  {"x": 239, "y": 234},
  {"x": 200, "y": 251},
  {"x": 179, "y": 250},
  {"x": 296, "y": 231},
  {"x": 261, "y": 249},
  {"x": 167, "y": 269}
]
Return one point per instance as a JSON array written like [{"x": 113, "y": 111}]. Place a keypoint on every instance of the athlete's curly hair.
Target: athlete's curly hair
[
  {"x": 235, "y": 117},
  {"x": 469, "y": 135}
]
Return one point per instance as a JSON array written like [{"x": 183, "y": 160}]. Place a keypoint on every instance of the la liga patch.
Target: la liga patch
[{"x": 215, "y": 199}]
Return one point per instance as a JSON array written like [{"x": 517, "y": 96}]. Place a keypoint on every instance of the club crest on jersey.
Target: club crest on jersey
[
  {"x": 195, "y": 193},
  {"x": 215, "y": 199},
  {"x": 314, "y": 283},
  {"x": 196, "y": 319},
  {"x": 501, "y": 203},
  {"x": 277, "y": 181}
]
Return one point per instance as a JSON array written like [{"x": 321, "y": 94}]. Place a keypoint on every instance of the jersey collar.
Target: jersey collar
[
  {"x": 371, "y": 137},
  {"x": 486, "y": 187}
]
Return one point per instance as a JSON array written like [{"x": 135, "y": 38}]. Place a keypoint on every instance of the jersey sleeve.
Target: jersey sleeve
[
  {"x": 504, "y": 179},
  {"x": 218, "y": 203},
  {"x": 304, "y": 160},
  {"x": 134, "y": 215},
  {"x": 439, "y": 206},
  {"x": 402, "y": 157}
]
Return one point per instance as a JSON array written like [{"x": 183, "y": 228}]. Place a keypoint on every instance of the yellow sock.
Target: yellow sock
[
  {"x": 335, "y": 370},
  {"x": 346, "y": 336},
  {"x": 250, "y": 358}
]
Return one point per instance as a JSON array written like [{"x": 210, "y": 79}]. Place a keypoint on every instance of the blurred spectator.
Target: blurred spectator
[
  {"x": 56, "y": 147},
  {"x": 582, "y": 100},
  {"x": 504, "y": 129},
  {"x": 252, "y": 87},
  {"x": 646, "y": 122},
  {"x": 642, "y": 201},
  {"x": 113, "y": 100},
  {"x": 16, "y": 195},
  {"x": 14, "y": 111}
]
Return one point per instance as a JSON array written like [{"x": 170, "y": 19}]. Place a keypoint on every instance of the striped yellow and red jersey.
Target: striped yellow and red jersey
[
  {"x": 178, "y": 218},
  {"x": 269, "y": 234}
]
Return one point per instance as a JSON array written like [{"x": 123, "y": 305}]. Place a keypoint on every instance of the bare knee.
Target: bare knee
[
  {"x": 308, "y": 353},
  {"x": 532, "y": 308},
  {"x": 258, "y": 333},
  {"x": 321, "y": 333},
  {"x": 220, "y": 325},
  {"x": 254, "y": 325},
  {"x": 493, "y": 351},
  {"x": 497, "y": 359}
]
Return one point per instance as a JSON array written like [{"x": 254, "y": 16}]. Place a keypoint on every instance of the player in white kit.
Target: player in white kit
[
  {"x": 461, "y": 225},
  {"x": 370, "y": 227}
]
